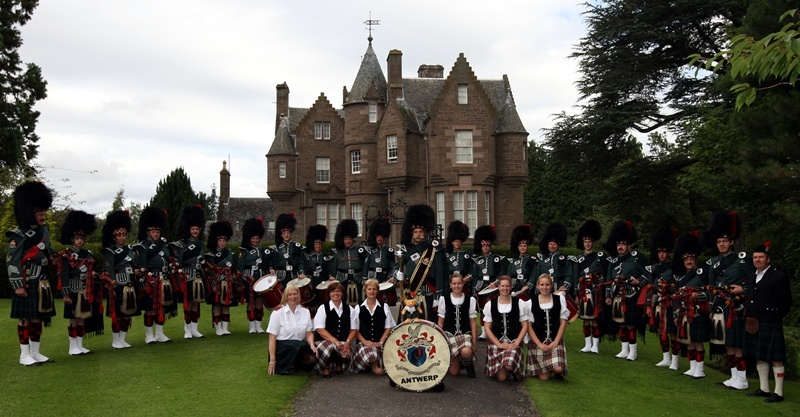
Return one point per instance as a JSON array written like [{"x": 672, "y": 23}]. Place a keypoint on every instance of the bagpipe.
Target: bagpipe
[
  {"x": 93, "y": 285},
  {"x": 688, "y": 307},
  {"x": 220, "y": 282},
  {"x": 618, "y": 307},
  {"x": 662, "y": 302},
  {"x": 723, "y": 295},
  {"x": 589, "y": 292},
  {"x": 193, "y": 290}
]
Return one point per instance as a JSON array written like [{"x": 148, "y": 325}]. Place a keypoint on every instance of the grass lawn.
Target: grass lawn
[
  {"x": 600, "y": 385},
  {"x": 213, "y": 376}
]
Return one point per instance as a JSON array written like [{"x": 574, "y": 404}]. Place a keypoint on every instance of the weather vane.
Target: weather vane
[{"x": 370, "y": 23}]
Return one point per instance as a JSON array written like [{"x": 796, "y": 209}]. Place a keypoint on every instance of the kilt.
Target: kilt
[
  {"x": 364, "y": 356},
  {"x": 327, "y": 350},
  {"x": 634, "y": 315},
  {"x": 767, "y": 345},
  {"x": 734, "y": 337},
  {"x": 118, "y": 303},
  {"x": 496, "y": 358},
  {"x": 27, "y": 308},
  {"x": 288, "y": 353},
  {"x": 698, "y": 328},
  {"x": 69, "y": 309},
  {"x": 540, "y": 362},
  {"x": 458, "y": 342}
]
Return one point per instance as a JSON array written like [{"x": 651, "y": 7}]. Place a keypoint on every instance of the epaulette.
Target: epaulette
[
  {"x": 708, "y": 262},
  {"x": 572, "y": 258},
  {"x": 499, "y": 258},
  {"x": 391, "y": 250},
  {"x": 15, "y": 231},
  {"x": 333, "y": 250},
  {"x": 742, "y": 255},
  {"x": 649, "y": 268},
  {"x": 177, "y": 244},
  {"x": 297, "y": 244},
  {"x": 699, "y": 271},
  {"x": 361, "y": 250}
]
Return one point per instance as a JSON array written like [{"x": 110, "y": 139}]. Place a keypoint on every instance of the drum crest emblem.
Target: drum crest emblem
[{"x": 416, "y": 347}]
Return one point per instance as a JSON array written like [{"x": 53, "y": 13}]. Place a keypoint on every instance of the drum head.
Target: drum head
[
  {"x": 322, "y": 286},
  {"x": 416, "y": 356},
  {"x": 265, "y": 283},
  {"x": 385, "y": 286},
  {"x": 300, "y": 282}
]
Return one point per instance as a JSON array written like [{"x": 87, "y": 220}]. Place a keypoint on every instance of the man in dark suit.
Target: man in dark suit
[{"x": 769, "y": 299}]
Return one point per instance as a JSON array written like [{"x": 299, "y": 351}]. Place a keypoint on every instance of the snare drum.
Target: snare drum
[
  {"x": 416, "y": 356},
  {"x": 304, "y": 285},
  {"x": 487, "y": 294},
  {"x": 387, "y": 293},
  {"x": 270, "y": 290},
  {"x": 322, "y": 292},
  {"x": 522, "y": 294}
]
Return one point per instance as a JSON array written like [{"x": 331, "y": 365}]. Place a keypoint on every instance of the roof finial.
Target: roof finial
[{"x": 370, "y": 23}]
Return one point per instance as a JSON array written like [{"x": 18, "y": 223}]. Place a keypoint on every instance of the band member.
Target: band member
[
  {"x": 626, "y": 275},
  {"x": 120, "y": 271},
  {"x": 590, "y": 267},
  {"x": 27, "y": 259},
  {"x": 220, "y": 282},
  {"x": 315, "y": 266},
  {"x": 457, "y": 313},
  {"x": 658, "y": 307},
  {"x": 347, "y": 265},
  {"x": 548, "y": 319},
  {"x": 769, "y": 299},
  {"x": 423, "y": 260},
  {"x": 291, "y": 336},
  {"x": 508, "y": 323},
  {"x": 487, "y": 266},
  {"x": 82, "y": 293},
  {"x": 553, "y": 262},
  {"x": 252, "y": 265},
  {"x": 336, "y": 324},
  {"x": 381, "y": 262},
  {"x": 728, "y": 272},
  {"x": 521, "y": 266},
  {"x": 286, "y": 257},
  {"x": 375, "y": 322},
  {"x": 152, "y": 257},
  {"x": 692, "y": 301},
  {"x": 459, "y": 260},
  {"x": 189, "y": 255}
]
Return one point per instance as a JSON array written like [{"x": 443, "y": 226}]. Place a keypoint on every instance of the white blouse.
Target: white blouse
[
  {"x": 286, "y": 324},
  {"x": 473, "y": 312}
]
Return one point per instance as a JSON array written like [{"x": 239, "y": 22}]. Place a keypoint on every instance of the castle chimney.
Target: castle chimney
[
  {"x": 282, "y": 95},
  {"x": 394, "y": 68},
  {"x": 430, "y": 71}
]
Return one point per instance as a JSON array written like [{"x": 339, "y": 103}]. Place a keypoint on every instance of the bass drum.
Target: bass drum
[{"x": 416, "y": 355}]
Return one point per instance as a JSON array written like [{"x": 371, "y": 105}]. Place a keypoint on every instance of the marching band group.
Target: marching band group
[{"x": 331, "y": 310}]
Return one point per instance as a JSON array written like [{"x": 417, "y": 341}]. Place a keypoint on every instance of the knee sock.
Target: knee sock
[
  {"x": 731, "y": 361},
  {"x": 778, "y": 372},
  {"x": 676, "y": 347},
  {"x": 664, "y": 344},
  {"x": 632, "y": 336},
  {"x": 587, "y": 330},
  {"x": 763, "y": 376},
  {"x": 623, "y": 335},
  {"x": 35, "y": 331},
  {"x": 148, "y": 321},
  {"x": 595, "y": 331},
  {"x": 80, "y": 331},
  {"x": 741, "y": 364},
  {"x": 22, "y": 333},
  {"x": 259, "y": 314}
]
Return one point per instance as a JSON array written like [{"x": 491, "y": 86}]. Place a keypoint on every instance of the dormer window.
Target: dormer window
[{"x": 462, "y": 94}]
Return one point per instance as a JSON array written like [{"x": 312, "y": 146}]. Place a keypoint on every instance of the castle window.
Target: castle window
[
  {"x": 282, "y": 169},
  {"x": 322, "y": 130},
  {"x": 488, "y": 204},
  {"x": 463, "y": 146},
  {"x": 323, "y": 170},
  {"x": 462, "y": 94},
  {"x": 355, "y": 162},
  {"x": 465, "y": 208},
  {"x": 440, "y": 208},
  {"x": 373, "y": 112},
  {"x": 391, "y": 148},
  {"x": 329, "y": 214},
  {"x": 355, "y": 214}
]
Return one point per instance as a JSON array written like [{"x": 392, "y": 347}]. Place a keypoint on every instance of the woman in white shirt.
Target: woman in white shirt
[
  {"x": 548, "y": 317},
  {"x": 291, "y": 339},
  {"x": 507, "y": 320},
  {"x": 457, "y": 318},
  {"x": 336, "y": 324},
  {"x": 375, "y": 322}
]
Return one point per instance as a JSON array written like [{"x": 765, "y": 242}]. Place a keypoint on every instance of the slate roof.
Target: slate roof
[
  {"x": 284, "y": 140},
  {"x": 369, "y": 74}
]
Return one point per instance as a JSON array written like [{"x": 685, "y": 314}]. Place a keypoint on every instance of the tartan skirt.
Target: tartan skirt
[
  {"x": 27, "y": 308},
  {"x": 327, "y": 350},
  {"x": 540, "y": 362},
  {"x": 767, "y": 345},
  {"x": 364, "y": 357},
  {"x": 497, "y": 358},
  {"x": 458, "y": 342},
  {"x": 288, "y": 352}
]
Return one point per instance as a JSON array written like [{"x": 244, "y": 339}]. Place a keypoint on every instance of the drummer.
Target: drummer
[
  {"x": 252, "y": 265},
  {"x": 459, "y": 260},
  {"x": 381, "y": 263},
  {"x": 315, "y": 264},
  {"x": 374, "y": 324},
  {"x": 457, "y": 314},
  {"x": 507, "y": 320},
  {"x": 348, "y": 261},
  {"x": 220, "y": 283},
  {"x": 286, "y": 257},
  {"x": 488, "y": 266},
  {"x": 291, "y": 339},
  {"x": 336, "y": 324},
  {"x": 548, "y": 317},
  {"x": 521, "y": 266}
]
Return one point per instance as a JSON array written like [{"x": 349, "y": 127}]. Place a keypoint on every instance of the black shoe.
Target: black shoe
[
  {"x": 774, "y": 398},
  {"x": 758, "y": 393},
  {"x": 440, "y": 388},
  {"x": 392, "y": 383},
  {"x": 558, "y": 377},
  {"x": 470, "y": 371},
  {"x": 513, "y": 376}
]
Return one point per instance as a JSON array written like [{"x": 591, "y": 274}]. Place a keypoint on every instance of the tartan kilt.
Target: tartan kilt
[
  {"x": 634, "y": 315},
  {"x": 698, "y": 328},
  {"x": 327, "y": 350},
  {"x": 117, "y": 294},
  {"x": 458, "y": 342},
  {"x": 734, "y": 337},
  {"x": 287, "y": 352},
  {"x": 27, "y": 308},
  {"x": 69, "y": 309},
  {"x": 496, "y": 358},
  {"x": 366, "y": 355},
  {"x": 540, "y": 362},
  {"x": 768, "y": 344}
]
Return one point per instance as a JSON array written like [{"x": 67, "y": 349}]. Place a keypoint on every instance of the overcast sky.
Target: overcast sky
[{"x": 138, "y": 88}]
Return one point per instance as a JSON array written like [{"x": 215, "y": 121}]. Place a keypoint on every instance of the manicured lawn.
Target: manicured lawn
[{"x": 601, "y": 385}]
